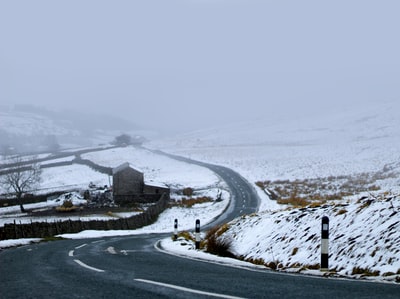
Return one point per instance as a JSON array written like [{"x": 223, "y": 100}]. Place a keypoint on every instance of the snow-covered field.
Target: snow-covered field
[
  {"x": 354, "y": 141},
  {"x": 361, "y": 139},
  {"x": 156, "y": 168}
]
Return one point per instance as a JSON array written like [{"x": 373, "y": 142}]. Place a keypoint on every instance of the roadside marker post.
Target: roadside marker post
[
  {"x": 197, "y": 234},
  {"x": 175, "y": 229},
  {"x": 325, "y": 244}
]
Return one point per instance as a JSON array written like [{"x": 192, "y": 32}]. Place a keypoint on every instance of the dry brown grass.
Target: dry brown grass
[
  {"x": 188, "y": 191},
  {"x": 190, "y": 202},
  {"x": 215, "y": 244},
  {"x": 301, "y": 193},
  {"x": 341, "y": 212},
  {"x": 186, "y": 235},
  {"x": 67, "y": 207},
  {"x": 364, "y": 271}
]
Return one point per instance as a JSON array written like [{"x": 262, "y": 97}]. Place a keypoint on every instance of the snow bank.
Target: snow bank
[{"x": 364, "y": 238}]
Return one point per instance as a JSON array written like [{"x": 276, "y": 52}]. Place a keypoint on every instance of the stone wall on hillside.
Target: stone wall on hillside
[{"x": 47, "y": 229}]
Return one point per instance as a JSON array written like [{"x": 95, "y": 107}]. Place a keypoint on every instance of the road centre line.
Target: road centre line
[
  {"x": 98, "y": 241},
  {"x": 83, "y": 245},
  {"x": 171, "y": 286},
  {"x": 87, "y": 266},
  {"x": 71, "y": 253}
]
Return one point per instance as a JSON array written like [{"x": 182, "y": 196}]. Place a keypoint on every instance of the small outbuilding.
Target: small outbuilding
[
  {"x": 127, "y": 180},
  {"x": 129, "y": 187}
]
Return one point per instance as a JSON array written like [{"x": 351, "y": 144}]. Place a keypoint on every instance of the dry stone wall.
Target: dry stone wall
[{"x": 47, "y": 229}]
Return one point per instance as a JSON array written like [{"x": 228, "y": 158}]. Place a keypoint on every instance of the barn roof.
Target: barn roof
[
  {"x": 124, "y": 166},
  {"x": 151, "y": 183}
]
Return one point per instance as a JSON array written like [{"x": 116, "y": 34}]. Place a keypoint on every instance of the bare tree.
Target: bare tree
[{"x": 22, "y": 177}]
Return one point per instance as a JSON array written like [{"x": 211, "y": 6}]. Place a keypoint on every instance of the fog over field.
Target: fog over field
[{"x": 176, "y": 66}]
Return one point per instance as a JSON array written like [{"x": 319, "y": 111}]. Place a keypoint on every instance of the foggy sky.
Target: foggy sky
[{"x": 186, "y": 64}]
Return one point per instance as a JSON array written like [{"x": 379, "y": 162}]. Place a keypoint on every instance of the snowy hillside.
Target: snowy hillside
[
  {"x": 364, "y": 238},
  {"x": 28, "y": 128},
  {"x": 157, "y": 169},
  {"x": 349, "y": 160},
  {"x": 28, "y": 124},
  {"x": 349, "y": 142},
  {"x": 344, "y": 165}
]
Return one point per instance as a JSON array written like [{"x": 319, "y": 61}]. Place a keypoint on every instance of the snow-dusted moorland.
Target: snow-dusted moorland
[
  {"x": 345, "y": 146},
  {"x": 350, "y": 146},
  {"x": 157, "y": 170}
]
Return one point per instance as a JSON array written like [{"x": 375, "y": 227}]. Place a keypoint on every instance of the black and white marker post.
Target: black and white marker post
[
  {"x": 197, "y": 234},
  {"x": 175, "y": 229},
  {"x": 325, "y": 244}
]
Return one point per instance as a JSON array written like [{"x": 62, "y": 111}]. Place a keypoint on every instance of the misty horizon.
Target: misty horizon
[{"x": 185, "y": 65}]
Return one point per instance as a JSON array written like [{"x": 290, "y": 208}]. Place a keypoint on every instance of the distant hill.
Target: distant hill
[
  {"x": 373, "y": 124},
  {"x": 353, "y": 141},
  {"x": 27, "y": 128}
]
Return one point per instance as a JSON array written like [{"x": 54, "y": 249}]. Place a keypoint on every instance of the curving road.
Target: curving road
[
  {"x": 244, "y": 198},
  {"x": 131, "y": 267}
]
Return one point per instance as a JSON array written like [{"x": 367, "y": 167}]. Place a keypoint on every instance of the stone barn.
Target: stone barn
[
  {"x": 127, "y": 180},
  {"x": 129, "y": 187}
]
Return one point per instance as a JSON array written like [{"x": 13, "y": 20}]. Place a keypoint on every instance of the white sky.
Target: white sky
[{"x": 187, "y": 63}]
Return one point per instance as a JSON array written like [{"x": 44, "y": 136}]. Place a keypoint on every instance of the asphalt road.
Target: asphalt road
[{"x": 131, "y": 267}]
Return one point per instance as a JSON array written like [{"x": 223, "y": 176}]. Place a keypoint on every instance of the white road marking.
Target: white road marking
[
  {"x": 171, "y": 286},
  {"x": 111, "y": 250},
  {"x": 98, "y": 241},
  {"x": 71, "y": 253},
  {"x": 87, "y": 266},
  {"x": 83, "y": 245}
]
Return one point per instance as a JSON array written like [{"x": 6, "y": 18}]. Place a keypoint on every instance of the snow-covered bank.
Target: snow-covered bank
[{"x": 364, "y": 239}]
